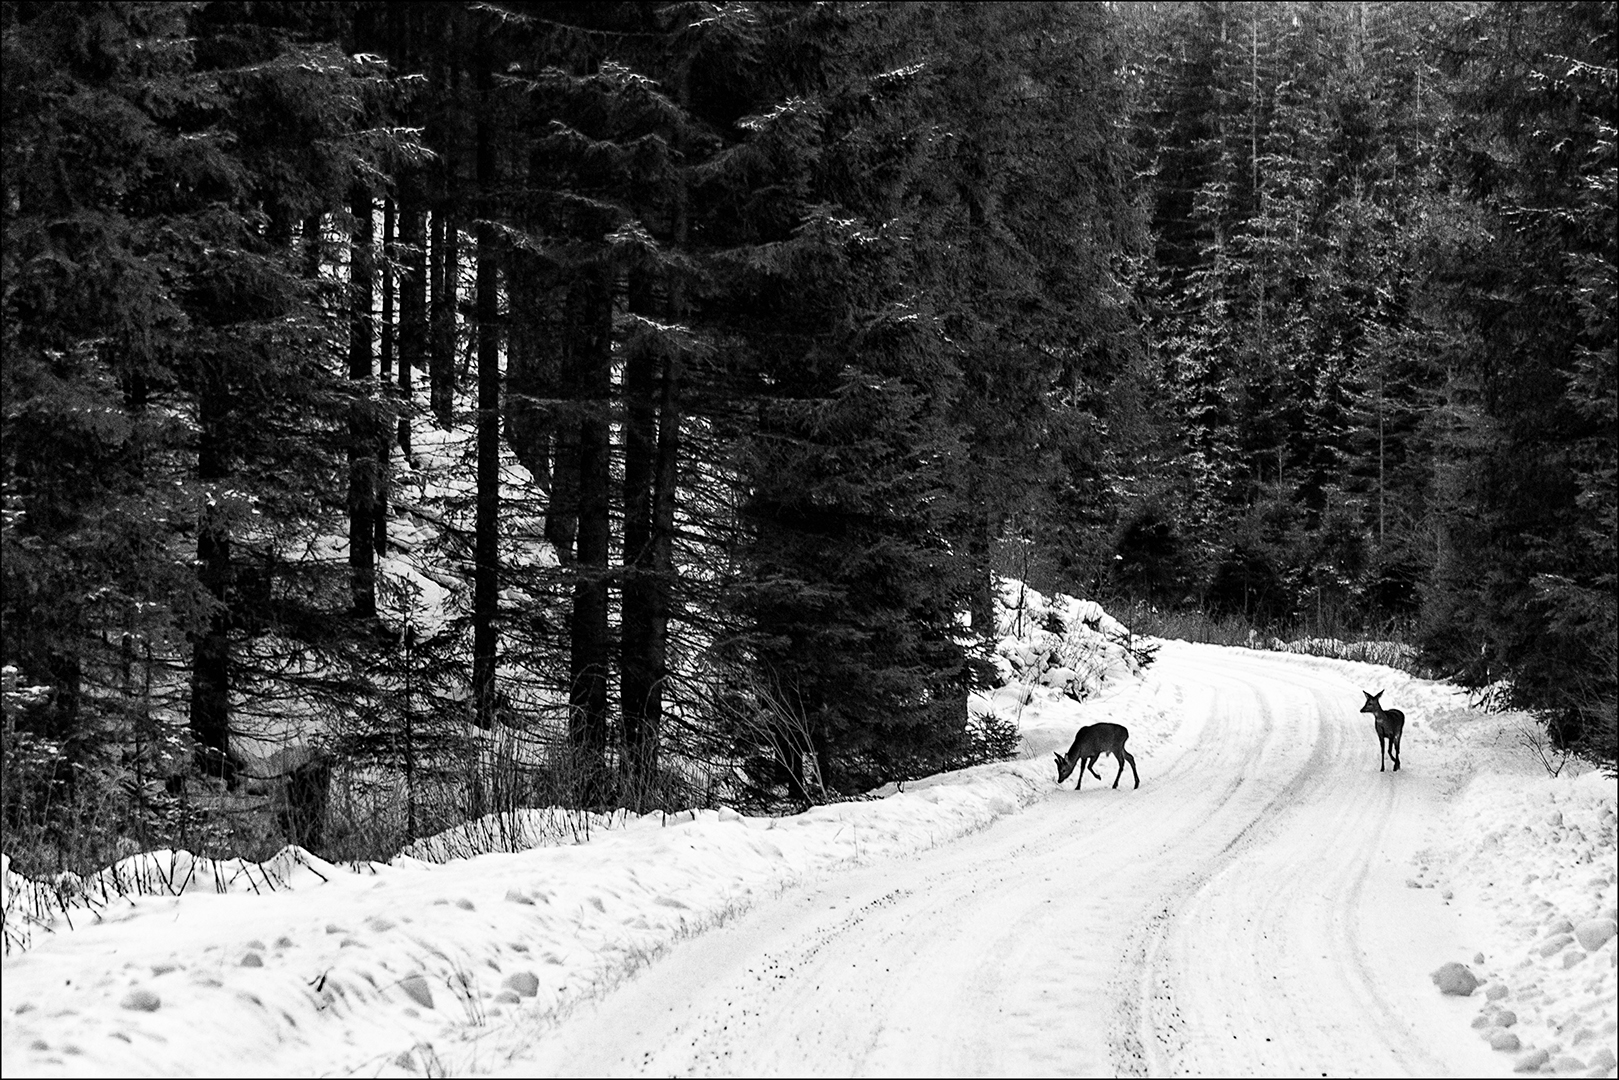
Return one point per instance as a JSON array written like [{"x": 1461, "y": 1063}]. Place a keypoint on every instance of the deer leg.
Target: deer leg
[
  {"x": 1091, "y": 764},
  {"x": 1394, "y": 748},
  {"x": 1120, "y": 759},
  {"x": 1131, "y": 758},
  {"x": 1382, "y": 751}
]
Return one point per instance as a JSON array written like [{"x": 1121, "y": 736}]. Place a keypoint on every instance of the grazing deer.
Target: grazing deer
[
  {"x": 1389, "y": 724},
  {"x": 1091, "y": 743}
]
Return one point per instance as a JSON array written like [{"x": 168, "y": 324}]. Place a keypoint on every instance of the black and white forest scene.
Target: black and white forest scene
[{"x": 690, "y": 538}]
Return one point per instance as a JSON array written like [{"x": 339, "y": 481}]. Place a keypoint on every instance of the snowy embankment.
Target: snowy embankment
[
  {"x": 1536, "y": 854},
  {"x": 353, "y": 971},
  {"x": 312, "y": 967},
  {"x": 1539, "y": 855}
]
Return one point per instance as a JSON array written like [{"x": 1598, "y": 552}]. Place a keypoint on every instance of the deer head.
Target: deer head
[{"x": 1064, "y": 767}]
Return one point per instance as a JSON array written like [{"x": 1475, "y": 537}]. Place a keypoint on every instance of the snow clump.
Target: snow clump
[{"x": 1454, "y": 978}]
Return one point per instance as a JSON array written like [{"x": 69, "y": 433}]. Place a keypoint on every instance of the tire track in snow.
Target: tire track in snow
[
  {"x": 1147, "y": 1014},
  {"x": 1235, "y": 953}
]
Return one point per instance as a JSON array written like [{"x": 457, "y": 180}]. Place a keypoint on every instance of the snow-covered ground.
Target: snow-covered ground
[{"x": 1266, "y": 902}]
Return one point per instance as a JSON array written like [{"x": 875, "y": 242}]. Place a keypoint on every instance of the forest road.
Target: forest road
[{"x": 1245, "y": 912}]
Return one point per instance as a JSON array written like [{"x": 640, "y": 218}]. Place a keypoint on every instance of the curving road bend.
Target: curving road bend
[{"x": 1243, "y": 912}]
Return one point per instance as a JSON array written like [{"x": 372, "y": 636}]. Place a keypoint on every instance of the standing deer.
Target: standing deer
[
  {"x": 1091, "y": 743},
  {"x": 1389, "y": 724}
]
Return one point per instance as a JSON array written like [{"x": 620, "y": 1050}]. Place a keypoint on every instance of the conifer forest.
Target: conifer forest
[{"x": 415, "y": 411}]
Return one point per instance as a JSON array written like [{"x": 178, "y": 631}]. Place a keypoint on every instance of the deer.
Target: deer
[
  {"x": 1389, "y": 724},
  {"x": 1092, "y": 742}
]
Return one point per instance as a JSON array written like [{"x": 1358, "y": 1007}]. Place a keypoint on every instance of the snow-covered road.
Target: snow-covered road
[{"x": 1244, "y": 912}]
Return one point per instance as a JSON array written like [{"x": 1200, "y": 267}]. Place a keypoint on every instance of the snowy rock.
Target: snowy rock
[
  {"x": 419, "y": 991},
  {"x": 1603, "y": 1058},
  {"x": 1496, "y": 991},
  {"x": 252, "y": 959},
  {"x": 1592, "y": 934},
  {"x": 1531, "y": 1061},
  {"x": 1454, "y": 978},
  {"x": 1506, "y": 1018},
  {"x": 1555, "y": 945},
  {"x": 1559, "y": 925},
  {"x": 523, "y": 982},
  {"x": 1572, "y": 957},
  {"x": 1504, "y": 1040},
  {"x": 141, "y": 1000},
  {"x": 1478, "y": 958},
  {"x": 1568, "y": 1064}
]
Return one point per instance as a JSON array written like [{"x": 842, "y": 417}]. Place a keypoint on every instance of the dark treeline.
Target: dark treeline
[{"x": 418, "y": 410}]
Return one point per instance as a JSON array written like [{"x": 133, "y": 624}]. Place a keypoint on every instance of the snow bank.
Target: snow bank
[
  {"x": 412, "y": 966},
  {"x": 1538, "y": 854}
]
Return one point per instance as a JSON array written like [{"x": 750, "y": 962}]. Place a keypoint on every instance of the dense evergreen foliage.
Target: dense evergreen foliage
[
  {"x": 442, "y": 407},
  {"x": 1382, "y": 301}
]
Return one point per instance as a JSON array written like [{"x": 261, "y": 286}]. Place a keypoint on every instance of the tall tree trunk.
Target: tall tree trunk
[
  {"x": 210, "y": 654},
  {"x": 651, "y": 473},
  {"x": 486, "y": 569},
  {"x": 441, "y": 371},
  {"x": 362, "y": 435},
  {"x": 639, "y": 687},
  {"x": 661, "y": 569},
  {"x": 210, "y": 648},
  {"x": 390, "y": 252},
  {"x": 562, "y": 510},
  {"x": 447, "y": 250},
  {"x": 385, "y": 368},
  {"x": 413, "y": 302},
  {"x": 590, "y": 317}
]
